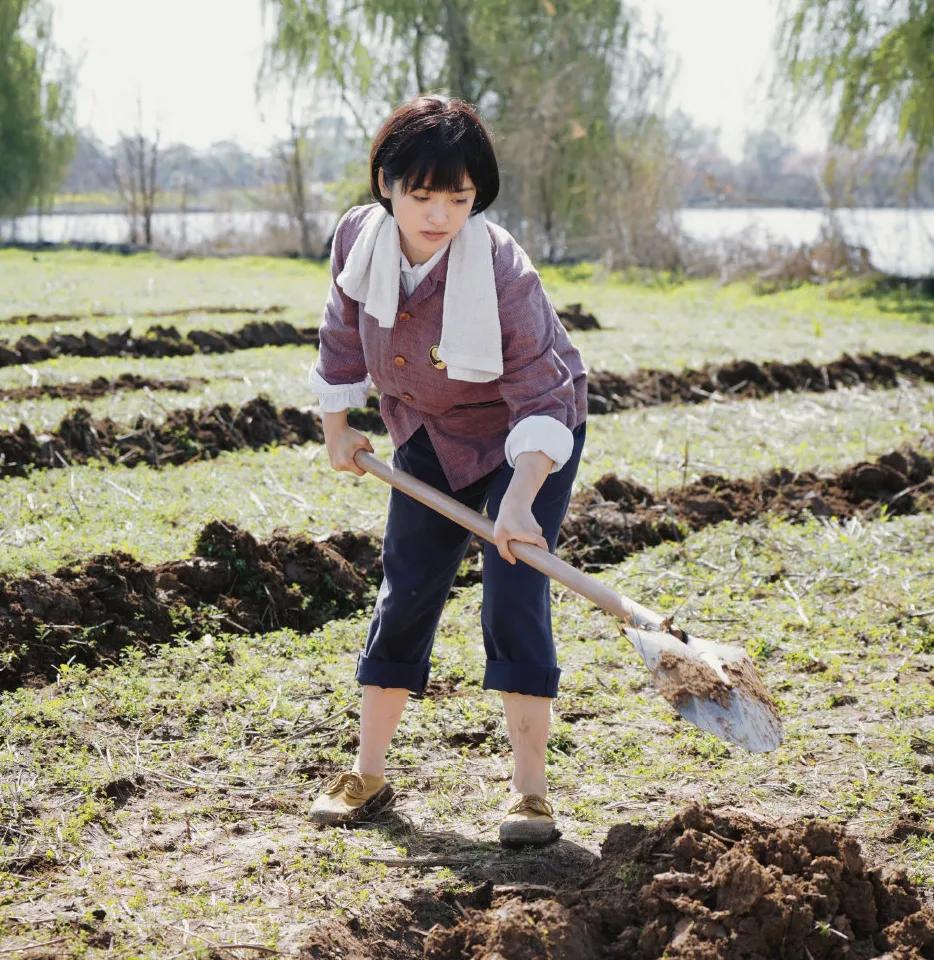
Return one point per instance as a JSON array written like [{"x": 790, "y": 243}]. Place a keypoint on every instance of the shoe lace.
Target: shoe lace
[
  {"x": 349, "y": 781},
  {"x": 532, "y": 804}
]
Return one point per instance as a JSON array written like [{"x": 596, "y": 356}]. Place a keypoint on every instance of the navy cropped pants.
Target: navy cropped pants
[{"x": 421, "y": 554}]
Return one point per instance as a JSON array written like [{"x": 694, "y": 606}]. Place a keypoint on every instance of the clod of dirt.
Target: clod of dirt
[
  {"x": 184, "y": 435},
  {"x": 617, "y": 517},
  {"x": 178, "y": 312},
  {"x": 99, "y": 387},
  {"x": 572, "y": 317},
  {"x": 608, "y": 392},
  {"x": 710, "y": 885},
  {"x": 679, "y": 679},
  {"x": 156, "y": 341},
  {"x": 232, "y": 582}
]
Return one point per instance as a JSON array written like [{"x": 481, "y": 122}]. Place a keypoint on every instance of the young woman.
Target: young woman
[{"x": 484, "y": 398}]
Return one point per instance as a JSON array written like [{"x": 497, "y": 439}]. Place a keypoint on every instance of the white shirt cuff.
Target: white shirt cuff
[
  {"x": 545, "y": 434},
  {"x": 334, "y": 397}
]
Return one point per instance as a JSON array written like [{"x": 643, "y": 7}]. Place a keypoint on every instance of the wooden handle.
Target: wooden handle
[{"x": 590, "y": 587}]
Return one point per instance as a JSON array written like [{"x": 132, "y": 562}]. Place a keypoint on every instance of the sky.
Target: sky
[{"x": 192, "y": 64}]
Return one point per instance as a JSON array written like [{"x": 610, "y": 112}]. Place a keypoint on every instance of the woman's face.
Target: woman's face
[{"x": 428, "y": 219}]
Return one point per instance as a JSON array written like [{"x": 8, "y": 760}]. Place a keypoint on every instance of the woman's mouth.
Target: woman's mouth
[{"x": 432, "y": 236}]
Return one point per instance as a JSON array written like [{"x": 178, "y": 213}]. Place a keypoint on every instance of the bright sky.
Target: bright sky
[{"x": 193, "y": 65}]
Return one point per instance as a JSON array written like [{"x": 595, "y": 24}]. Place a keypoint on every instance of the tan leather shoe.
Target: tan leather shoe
[
  {"x": 350, "y": 796},
  {"x": 531, "y": 819}
]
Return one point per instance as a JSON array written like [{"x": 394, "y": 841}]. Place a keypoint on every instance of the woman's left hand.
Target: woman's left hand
[{"x": 516, "y": 521}]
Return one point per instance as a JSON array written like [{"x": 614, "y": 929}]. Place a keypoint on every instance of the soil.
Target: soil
[
  {"x": 232, "y": 582},
  {"x": 609, "y": 392},
  {"x": 156, "y": 341},
  {"x": 680, "y": 678},
  {"x": 99, "y": 387},
  {"x": 572, "y": 317},
  {"x": 617, "y": 517},
  {"x": 183, "y": 311},
  {"x": 708, "y": 885},
  {"x": 184, "y": 436}
]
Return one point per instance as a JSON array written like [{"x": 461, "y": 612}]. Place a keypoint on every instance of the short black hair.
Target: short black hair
[{"x": 429, "y": 143}]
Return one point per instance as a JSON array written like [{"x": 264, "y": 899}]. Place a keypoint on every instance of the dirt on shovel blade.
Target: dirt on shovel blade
[{"x": 709, "y": 885}]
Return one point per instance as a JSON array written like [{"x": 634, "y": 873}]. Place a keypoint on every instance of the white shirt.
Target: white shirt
[{"x": 412, "y": 276}]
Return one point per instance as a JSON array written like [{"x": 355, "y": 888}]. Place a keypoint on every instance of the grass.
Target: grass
[
  {"x": 158, "y": 807},
  {"x": 55, "y": 515},
  {"x": 186, "y": 773}
]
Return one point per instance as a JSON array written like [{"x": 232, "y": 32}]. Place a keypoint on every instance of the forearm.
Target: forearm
[{"x": 532, "y": 467}]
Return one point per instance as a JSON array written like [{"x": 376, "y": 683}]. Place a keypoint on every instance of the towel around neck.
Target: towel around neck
[{"x": 471, "y": 339}]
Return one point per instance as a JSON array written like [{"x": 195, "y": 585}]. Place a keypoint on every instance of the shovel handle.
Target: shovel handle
[{"x": 590, "y": 587}]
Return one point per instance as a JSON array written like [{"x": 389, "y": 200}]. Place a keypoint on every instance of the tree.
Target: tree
[
  {"x": 36, "y": 125},
  {"x": 873, "y": 60},
  {"x": 564, "y": 86},
  {"x": 135, "y": 170}
]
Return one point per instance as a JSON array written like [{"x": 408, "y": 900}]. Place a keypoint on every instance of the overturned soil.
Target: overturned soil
[
  {"x": 29, "y": 318},
  {"x": 99, "y": 387},
  {"x": 609, "y": 392},
  {"x": 617, "y": 517},
  {"x": 232, "y": 582},
  {"x": 156, "y": 341},
  {"x": 184, "y": 436},
  {"x": 707, "y": 885},
  {"x": 573, "y": 317}
]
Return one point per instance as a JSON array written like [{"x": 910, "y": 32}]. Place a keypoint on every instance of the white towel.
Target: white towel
[{"x": 471, "y": 339}]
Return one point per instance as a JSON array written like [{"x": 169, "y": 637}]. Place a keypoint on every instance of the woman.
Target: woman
[{"x": 484, "y": 398}]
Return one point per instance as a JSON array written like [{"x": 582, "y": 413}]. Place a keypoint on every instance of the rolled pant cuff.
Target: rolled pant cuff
[
  {"x": 530, "y": 678},
  {"x": 387, "y": 673}
]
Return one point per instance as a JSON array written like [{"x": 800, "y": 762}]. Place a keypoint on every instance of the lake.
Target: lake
[{"x": 899, "y": 241}]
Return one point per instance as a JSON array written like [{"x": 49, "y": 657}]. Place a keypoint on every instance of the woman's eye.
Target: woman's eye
[{"x": 460, "y": 203}]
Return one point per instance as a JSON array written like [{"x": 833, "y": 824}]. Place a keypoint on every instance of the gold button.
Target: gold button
[
  {"x": 399, "y": 360},
  {"x": 405, "y": 316},
  {"x": 436, "y": 361},
  {"x": 407, "y": 397}
]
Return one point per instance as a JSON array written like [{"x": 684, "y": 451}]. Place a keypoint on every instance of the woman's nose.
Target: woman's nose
[{"x": 438, "y": 214}]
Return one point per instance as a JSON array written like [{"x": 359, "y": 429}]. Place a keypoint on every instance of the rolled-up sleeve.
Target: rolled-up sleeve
[
  {"x": 340, "y": 379},
  {"x": 536, "y": 384}
]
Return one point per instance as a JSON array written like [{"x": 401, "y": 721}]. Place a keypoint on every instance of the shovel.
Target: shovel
[{"x": 712, "y": 685}]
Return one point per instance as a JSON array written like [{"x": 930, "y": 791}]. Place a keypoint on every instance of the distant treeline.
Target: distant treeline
[{"x": 770, "y": 173}]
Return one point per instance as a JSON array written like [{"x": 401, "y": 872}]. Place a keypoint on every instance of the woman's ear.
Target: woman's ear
[{"x": 383, "y": 189}]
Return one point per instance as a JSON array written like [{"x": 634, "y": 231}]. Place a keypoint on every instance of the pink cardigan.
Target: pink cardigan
[{"x": 468, "y": 423}]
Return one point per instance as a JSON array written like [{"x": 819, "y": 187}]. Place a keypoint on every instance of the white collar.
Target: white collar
[{"x": 471, "y": 339}]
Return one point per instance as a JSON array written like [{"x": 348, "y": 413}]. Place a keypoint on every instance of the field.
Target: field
[{"x": 185, "y": 584}]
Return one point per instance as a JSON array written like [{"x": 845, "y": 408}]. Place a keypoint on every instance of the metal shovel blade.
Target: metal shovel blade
[{"x": 712, "y": 685}]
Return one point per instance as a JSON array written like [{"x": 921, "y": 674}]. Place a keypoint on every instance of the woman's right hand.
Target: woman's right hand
[{"x": 342, "y": 442}]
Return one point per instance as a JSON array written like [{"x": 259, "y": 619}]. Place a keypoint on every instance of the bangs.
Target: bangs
[{"x": 445, "y": 174}]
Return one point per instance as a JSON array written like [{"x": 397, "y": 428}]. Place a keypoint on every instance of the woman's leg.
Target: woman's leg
[
  {"x": 422, "y": 552},
  {"x": 521, "y": 658},
  {"x": 380, "y": 711},
  {"x": 528, "y": 719}
]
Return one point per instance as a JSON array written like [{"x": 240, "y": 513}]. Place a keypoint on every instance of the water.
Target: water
[{"x": 899, "y": 241}]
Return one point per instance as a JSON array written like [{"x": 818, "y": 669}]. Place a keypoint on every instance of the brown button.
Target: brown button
[
  {"x": 405, "y": 316},
  {"x": 407, "y": 397},
  {"x": 399, "y": 360}
]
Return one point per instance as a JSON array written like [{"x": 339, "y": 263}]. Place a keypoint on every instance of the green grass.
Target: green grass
[
  {"x": 54, "y": 515},
  {"x": 208, "y": 735}
]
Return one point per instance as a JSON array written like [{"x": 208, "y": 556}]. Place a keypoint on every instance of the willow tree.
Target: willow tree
[
  {"x": 36, "y": 129},
  {"x": 871, "y": 60},
  {"x": 551, "y": 78}
]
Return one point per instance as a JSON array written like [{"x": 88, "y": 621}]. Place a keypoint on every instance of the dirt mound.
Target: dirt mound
[
  {"x": 609, "y": 392},
  {"x": 232, "y": 582},
  {"x": 177, "y": 312},
  {"x": 184, "y": 435},
  {"x": 156, "y": 341},
  {"x": 707, "y": 885},
  {"x": 572, "y": 317},
  {"x": 98, "y": 387},
  {"x": 617, "y": 517}
]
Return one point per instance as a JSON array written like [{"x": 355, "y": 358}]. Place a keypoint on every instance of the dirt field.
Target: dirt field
[{"x": 185, "y": 585}]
